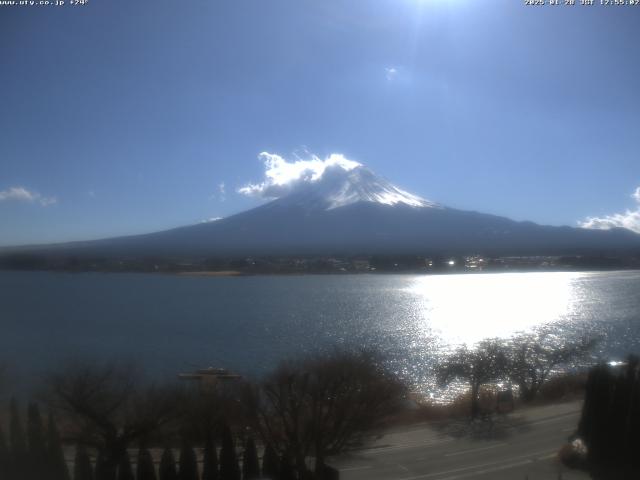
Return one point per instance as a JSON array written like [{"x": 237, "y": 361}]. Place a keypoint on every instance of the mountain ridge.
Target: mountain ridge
[{"x": 354, "y": 211}]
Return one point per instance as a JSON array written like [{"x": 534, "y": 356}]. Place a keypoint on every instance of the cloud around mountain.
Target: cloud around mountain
[
  {"x": 629, "y": 219},
  {"x": 282, "y": 177}
]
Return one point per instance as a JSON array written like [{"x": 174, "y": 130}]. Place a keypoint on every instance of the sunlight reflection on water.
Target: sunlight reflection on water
[
  {"x": 249, "y": 324},
  {"x": 468, "y": 308}
]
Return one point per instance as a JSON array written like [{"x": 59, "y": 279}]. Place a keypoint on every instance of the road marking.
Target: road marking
[
  {"x": 489, "y": 470},
  {"x": 530, "y": 458},
  {"x": 352, "y": 469},
  {"x": 501, "y": 467},
  {"x": 553, "y": 419},
  {"x": 471, "y": 450},
  {"x": 548, "y": 457},
  {"x": 374, "y": 450}
]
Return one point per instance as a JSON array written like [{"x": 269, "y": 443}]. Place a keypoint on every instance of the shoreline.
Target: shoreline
[
  {"x": 208, "y": 273},
  {"x": 240, "y": 273}
]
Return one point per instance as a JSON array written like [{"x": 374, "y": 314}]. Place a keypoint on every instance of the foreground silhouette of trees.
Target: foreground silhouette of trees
[
  {"x": 229, "y": 468},
  {"x": 125, "y": 470},
  {"x": 250, "y": 463},
  {"x": 302, "y": 413},
  {"x": 188, "y": 463},
  {"x": 56, "y": 461},
  {"x": 145, "y": 469},
  {"x": 610, "y": 421},
  {"x": 167, "y": 469},
  {"x": 527, "y": 361},
  {"x": 5, "y": 456},
  {"x": 475, "y": 366},
  {"x": 323, "y": 406},
  {"x": 532, "y": 357},
  {"x": 210, "y": 459},
  {"x": 270, "y": 467},
  {"x": 36, "y": 456},
  {"x": 82, "y": 468},
  {"x": 109, "y": 407},
  {"x": 36, "y": 441},
  {"x": 18, "y": 464}
]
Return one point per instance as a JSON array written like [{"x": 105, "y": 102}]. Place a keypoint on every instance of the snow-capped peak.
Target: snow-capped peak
[
  {"x": 327, "y": 184},
  {"x": 338, "y": 187}
]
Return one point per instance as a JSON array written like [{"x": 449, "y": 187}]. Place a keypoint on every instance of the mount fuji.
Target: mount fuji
[{"x": 348, "y": 209}]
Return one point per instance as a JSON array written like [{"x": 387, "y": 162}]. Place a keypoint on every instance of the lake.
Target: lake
[{"x": 171, "y": 324}]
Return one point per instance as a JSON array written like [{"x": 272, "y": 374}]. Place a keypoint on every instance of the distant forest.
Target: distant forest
[{"x": 315, "y": 264}]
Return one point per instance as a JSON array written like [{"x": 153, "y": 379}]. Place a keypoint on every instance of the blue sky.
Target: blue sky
[{"x": 126, "y": 117}]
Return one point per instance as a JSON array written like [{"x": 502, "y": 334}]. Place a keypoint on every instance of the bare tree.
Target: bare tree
[
  {"x": 532, "y": 357},
  {"x": 108, "y": 407},
  {"x": 207, "y": 410},
  {"x": 476, "y": 366},
  {"x": 325, "y": 405}
]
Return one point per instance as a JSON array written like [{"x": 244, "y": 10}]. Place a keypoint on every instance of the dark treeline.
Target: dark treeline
[
  {"x": 34, "y": 452},
  {"x": 43, "y": 459},
  {"x": 524, "y": 363},
  {"x": 440, "y": 262},
  {"x": 286, "y": 426},
  {"x": 281, "y": 428}
]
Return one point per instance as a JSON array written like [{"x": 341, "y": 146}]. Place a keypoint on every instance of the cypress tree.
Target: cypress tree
[
  {"x": 4, "y": 456},
  {"x": 210, "y": 459},
  {"x": 188, "y": 463},
  {"x": 104, "y": 469},
  {"x": 229, "y": 469},
  {"x": 593, "y": 426},
  {"x": 145, "y": 469},
  {"x": 250, "y": 464},
  {"x": 286, "y": 470},
  {"x": 125, "y": 471},
  {"x": 18, "y": 444},
  {"x": 270, "y": 463},
  {"x": 610, "y": 420},
  {"x": 82, "y": 469},
  {"x": 56, "y": 463},
  {"x": 617, "y": 420},
  {"x": 633, "y": 443},
  {"x": 168, "y": 466},
  {"x": 36, "y": 441}
]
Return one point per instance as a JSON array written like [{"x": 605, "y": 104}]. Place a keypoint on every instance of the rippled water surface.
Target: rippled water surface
[{"x": 173, "y": 323}]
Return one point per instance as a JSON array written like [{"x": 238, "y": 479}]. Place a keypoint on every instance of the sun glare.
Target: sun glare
[{"x": 468, "y": 308}]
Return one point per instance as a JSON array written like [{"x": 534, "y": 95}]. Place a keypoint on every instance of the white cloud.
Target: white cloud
[
  {"x": 17, "y": 193},
  {"x": 46, "y": 201},
  {"x": 220, "y": 193},
  {"x": 21, "y": 194},
  {"x": 212, "y": 219},
  {"x": 391, "y": 73},
  {"x": 281, "y": 176},
  {"x": 628, "y": 219}
]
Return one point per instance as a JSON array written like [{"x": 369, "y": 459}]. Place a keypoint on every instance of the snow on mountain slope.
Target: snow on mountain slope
[
  {"x": 338, "y": 187},
  {"x": 326, "y": 184},
  {"x": 338, "y": 205}
]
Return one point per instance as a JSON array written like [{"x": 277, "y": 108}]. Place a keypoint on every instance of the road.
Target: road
[{"x": 522, "y": 445}]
